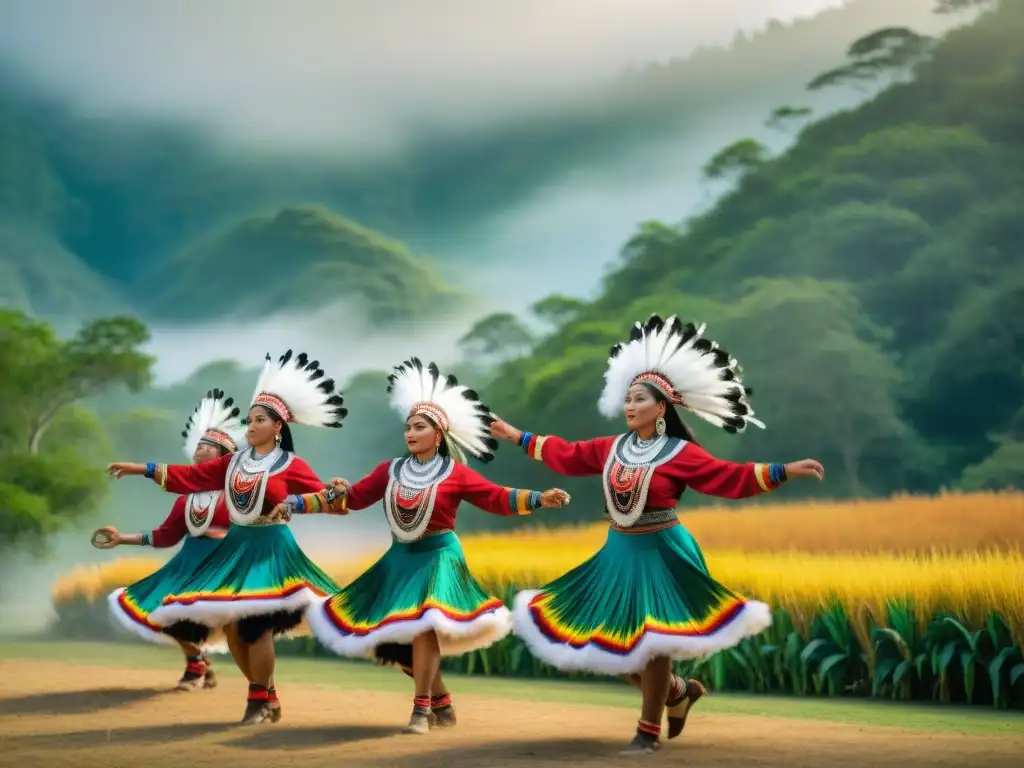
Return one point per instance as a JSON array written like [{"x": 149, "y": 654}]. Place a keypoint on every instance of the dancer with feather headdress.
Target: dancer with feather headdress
[
  {"x": 421, "y": 591},
  {"x": 646, "y": 597},
  {"x": 258, "y": 582},
  {"x": 201, "y": 519}
]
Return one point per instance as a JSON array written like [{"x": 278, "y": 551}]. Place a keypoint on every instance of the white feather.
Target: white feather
[
  {"x": 215, "y": 411},
  {"x": 469, "y": 420},
  {"x": 300, "y": 384},
  {"x": 711, "y": 390}
]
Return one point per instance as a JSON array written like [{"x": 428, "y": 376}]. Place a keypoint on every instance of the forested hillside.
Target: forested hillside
[
  {"x": 869, "y": 280},
  {"x": 120, "y": 199}
]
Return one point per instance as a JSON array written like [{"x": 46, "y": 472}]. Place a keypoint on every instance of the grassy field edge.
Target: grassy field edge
[{"x": 354, "y": 675}]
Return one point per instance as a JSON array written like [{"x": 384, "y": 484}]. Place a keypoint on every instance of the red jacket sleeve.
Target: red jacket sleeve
[
  {"x": 714, "y": 477},
  {"x": 586, "y": 457},
  {"x": 369, "y": 490},
  {"x": 496, "y": 499},
  {"x": 172, "y": 530},
  {"x": 193, "y": 478},
  {"x": 361, "y": 495},
  {"x": 301, "y": 478}
]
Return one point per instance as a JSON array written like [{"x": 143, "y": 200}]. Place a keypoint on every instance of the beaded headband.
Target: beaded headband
[
  {"x": 276, "y": 404},
  {"x": 437, "y": 415},
  {"x": 219, "y": 439},
  {"x": 662, "y": 383}
]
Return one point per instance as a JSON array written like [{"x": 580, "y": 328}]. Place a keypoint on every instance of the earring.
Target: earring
[
  {"x": 277, "y": 438},
  {"x": 659, "y": 425}
]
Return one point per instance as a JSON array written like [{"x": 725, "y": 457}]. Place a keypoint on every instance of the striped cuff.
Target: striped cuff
[
  {"x": 770, "y": 476},
  {"x": 522, "y": 501},
  {"x": 159, "y": 475},
  {"x": 301, "y": 504},
  {"x": 331, "y": 503},
  {"x": 532, "y": 444},
  {"x": 147, "y": 539}
]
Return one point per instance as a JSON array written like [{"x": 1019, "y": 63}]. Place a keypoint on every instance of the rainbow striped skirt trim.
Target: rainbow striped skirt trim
[
  {"x": 643, "y": 595},
  {"x": 131, "y": 606},
  {"x": 414, "y": 588},
  {"x": 257, "y": 571}
]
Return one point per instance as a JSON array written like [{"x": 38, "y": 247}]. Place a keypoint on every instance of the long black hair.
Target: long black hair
[
  {"x": 674, "y": 424},
  {"x": 287, "y": 444}
]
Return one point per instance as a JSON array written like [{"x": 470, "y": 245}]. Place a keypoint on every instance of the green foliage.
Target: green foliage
[
  {"x": 51, "y": 448},
  {"x": 1001, "y": 469},
  {"x": 496, "y": 337},
  {"x": 737, "y": 159},
  {"x": 48, "y": 374},
  {"x": 328, "y": 258},
  {"x": 557, "y": 310},
  {"x": 887, "y": 50},
  {"x": 869, "y": 280}
]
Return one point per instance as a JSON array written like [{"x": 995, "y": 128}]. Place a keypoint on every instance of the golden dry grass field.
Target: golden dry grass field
[{"x": 955, "y": 553}]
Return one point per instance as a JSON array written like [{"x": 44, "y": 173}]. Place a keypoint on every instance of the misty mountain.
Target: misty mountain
[
  {"x": 296, "y": 257},
  {"x": 38, "y": 274},
  {"x": 132, "y": 195}
]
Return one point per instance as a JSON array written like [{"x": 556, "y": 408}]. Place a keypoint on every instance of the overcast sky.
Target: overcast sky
[{"x": 369, "y": 71}]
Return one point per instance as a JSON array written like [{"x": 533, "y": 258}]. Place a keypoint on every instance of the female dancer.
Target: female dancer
[
  {"x": 646, "y": 597},
  {"x": 421, "y": 591},
  {"x": 258, "y": 576},
  {"x": 201, "y": 519}
]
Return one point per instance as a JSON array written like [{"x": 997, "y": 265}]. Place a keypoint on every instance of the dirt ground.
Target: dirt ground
[{"x": 52, "y": 714}]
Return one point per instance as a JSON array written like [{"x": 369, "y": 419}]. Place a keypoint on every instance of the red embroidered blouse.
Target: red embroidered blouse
[
  {"x": 295, "y": 478},
  {"x": 692, "y": 466},
  {"x": 460, "y": 484},
  {"x": 174, "y": 528}
]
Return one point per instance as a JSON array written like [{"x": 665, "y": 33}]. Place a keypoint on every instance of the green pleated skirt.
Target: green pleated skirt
[
  {"x": 131, "y": 606},
  {"x": 414, "y": 588},
  {"x": 643, "y": 595},
  {"x": 258, "y": 576}
]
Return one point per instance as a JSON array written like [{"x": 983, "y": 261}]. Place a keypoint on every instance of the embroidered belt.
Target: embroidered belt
[
  {"x": 266, "y": 520},
  {"x": 652, "y": 519}
]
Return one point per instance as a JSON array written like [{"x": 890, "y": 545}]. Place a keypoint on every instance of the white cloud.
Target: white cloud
[{"x": 353, "y": 75}]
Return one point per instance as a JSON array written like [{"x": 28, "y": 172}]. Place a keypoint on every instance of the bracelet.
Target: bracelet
[
  {"x": 147, "y": 539},
  {"x": 298, "y": 505},
  {"x": 150, "y": 469},
  {"x": 524, "y": 440},
  {"x": 777, "y": 473},
  {"x": 536, "y": 499}
]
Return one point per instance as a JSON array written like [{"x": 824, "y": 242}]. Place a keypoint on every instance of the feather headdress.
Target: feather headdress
[
  {"x": 215, "y": 421},
  {"x": 691, "y": 371},
  {"x": 464, "y": 421},
  {"x": 296, "y": 390}
]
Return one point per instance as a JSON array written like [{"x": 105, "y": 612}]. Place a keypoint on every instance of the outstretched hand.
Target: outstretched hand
[
  {"x": 805, "y": 468},
  {"x": 121, "y": 468},
  {"x": 502, "y": 430},
  {"x": 340, "y": 485},
  {"x": 281, "y": 513},
  {"x": 106, "y": 537},
  {"x": 555, "y": 498}
]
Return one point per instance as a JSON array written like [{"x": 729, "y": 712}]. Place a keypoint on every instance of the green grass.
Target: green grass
[{"x": 328, "y": 672}]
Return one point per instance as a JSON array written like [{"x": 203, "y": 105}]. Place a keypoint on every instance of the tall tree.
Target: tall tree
[
  {"x": 496, "y": 337},
  {"x": 47, "y": 374},
  {"x": 819, "y": 371},
  {"x": 46, "y": 484},
  {"x": 557, "y": 310}
]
